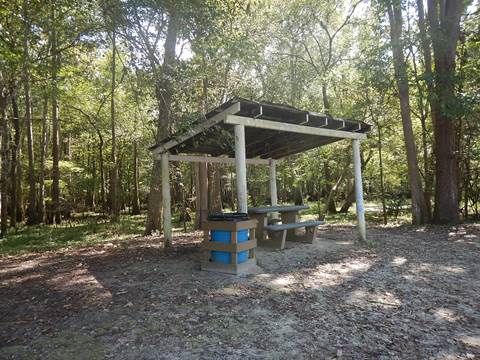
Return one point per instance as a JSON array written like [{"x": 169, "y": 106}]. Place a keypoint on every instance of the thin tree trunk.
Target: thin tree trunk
[
  {"x": 326, "y": 102},
  {"x": 196, "y": 173},
  {"x": 382, "y": 185},
  {"x": 4, "y": 158},
  {"x": 135, "y": 197},
  {"x": 428, "y": 75},
  {"x": 114, "y": 201},
  {"x": 164, "y": 94},
  {"x": 32, "y": 207},
  {"x": 102, "y": 176},
  {"x": 15, "y": 179},
  {"x": 43, "y": 152},
  {"x": 214, "y": 190},
  {"x": 419, "y": 207},
  {"x": 56, "y": 218},
  {"x": 203, "y": 191}
]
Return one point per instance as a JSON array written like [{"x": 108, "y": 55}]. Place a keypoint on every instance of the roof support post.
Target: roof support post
[
  {"x": 357, "y": 165},
  {"x": 241, "y": 168},
  {"x": 166, "y": 201},
  {"x": 273, "y": 182}
]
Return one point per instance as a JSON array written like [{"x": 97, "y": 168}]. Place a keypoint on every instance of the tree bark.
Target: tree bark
[
  {"x": 135, "y": 197},
  {"x": 214, "y": 189},
  {"x": 114, "y": 200},
  {"x": 428, "y": 76},
  {"x": 4, "y": 159},
  {"x": 419, "y": 206},
  {"x": 382, "y": 185},
  {"x": 43, "y": 153},
  {"x": 163, "y": 93},
  {"x": 16, "y": 209},
  {"x": 203, "y": 191},
  {"x": 56, "y": 218},
  {"x": 32, "y": 207},
  {"x": 444, "y": 20}
]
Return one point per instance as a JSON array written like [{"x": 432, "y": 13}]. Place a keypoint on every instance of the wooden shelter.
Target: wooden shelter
[{"x": 245, "y": 132}]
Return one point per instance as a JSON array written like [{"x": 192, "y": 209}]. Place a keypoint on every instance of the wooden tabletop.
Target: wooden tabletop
[{"x": 269, "y": 209}]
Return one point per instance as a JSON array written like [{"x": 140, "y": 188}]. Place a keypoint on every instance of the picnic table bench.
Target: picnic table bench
[
  {"x": 288, "y": 214},
  {"x": 277, "y": 233}
]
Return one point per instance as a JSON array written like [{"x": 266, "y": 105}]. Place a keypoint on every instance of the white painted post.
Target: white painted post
[
  {"x": 241, "y": 168},
  {"x": 167, "y": 215},
  {"x": 273, "y": 183},
  {"x": 357, "y": 165}
]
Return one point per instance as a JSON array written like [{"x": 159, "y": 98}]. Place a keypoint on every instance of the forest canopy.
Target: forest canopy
[{"x": 88, "y": 86}]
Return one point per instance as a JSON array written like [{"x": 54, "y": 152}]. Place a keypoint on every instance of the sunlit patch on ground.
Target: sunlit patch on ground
[{"x": 414, "y": 295}]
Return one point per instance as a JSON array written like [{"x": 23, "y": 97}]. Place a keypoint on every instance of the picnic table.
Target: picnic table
[{"x": 288, "y": 215}]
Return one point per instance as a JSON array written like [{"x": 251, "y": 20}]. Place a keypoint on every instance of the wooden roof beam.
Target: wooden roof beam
[
  {"x": 204, "y": 125},
  {"x": 301, "y": 129}
]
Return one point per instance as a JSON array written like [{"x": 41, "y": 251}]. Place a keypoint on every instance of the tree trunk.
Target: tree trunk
[
  {"x": 102, "y": 175},
  {"x": 382, "y": 185},
  {"x": 419, "y": 206},
  {"x": 444, "y": 21},
  {"x": 114, "y": 200},
  {"x": 56, "y": 218},
  {"x": 135, "y": 197},
  {"x": 32, "y": 207},
  {"x": 428, "y": 76},
  {"x": 163, "y": 93},
  {"x": 4, "y": 171},
  {"x": 16, "y": 211},
  {"x": 326, "y": 102},
  {"x": 203, "y": 191},
  {"x": 214, "y": 189},
  {"x": 43, "y": 153},
  {"x": 196, "y": 174}
]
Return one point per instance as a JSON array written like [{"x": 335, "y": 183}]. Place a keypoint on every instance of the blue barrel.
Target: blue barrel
[{"x": 223, "y": 236}]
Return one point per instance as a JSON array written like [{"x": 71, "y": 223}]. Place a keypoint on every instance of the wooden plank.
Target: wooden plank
[
  {"x": 212, "y": 159},
  {"x": 281, "y": 126},
  {"x": 229, "y": 225},
  {"x": 238, "y": 247},
  {"x": 204, "y": 125},
  {"x": 280, "y": 208},
  {"x": 296, "y": 225}
]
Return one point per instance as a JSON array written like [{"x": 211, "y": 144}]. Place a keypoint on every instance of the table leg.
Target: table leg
[
  {"x": 288, "y": 218},
  {"x": 262, "y": 222}
]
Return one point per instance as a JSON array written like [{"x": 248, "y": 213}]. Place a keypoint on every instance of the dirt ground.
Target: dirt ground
[{"x": 414, "y": 295}]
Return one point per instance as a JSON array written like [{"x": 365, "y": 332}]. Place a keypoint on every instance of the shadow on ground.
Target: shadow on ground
[{"x": 414, "y": 295}]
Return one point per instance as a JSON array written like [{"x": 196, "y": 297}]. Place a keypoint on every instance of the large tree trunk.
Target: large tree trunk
[
  {"x": 32, "y": 207},
  {"x": 56, "y": 218},
  {"x": 419, "y": 206},
  {"x": 4, "y": 161},
  {"x": 114, "y": 200},
  {"x": 444, "y": 21},
  {"x": 163, "y": 93}
]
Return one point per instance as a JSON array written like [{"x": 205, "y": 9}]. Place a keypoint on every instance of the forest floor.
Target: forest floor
[{"x": 416, "y": 294}]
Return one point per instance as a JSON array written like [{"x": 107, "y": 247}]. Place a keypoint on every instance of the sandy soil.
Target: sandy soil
[{"x": 414, "y": 295}]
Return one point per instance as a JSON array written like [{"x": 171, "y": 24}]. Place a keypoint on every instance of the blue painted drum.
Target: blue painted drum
[{"x": 224, "y": 237}]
